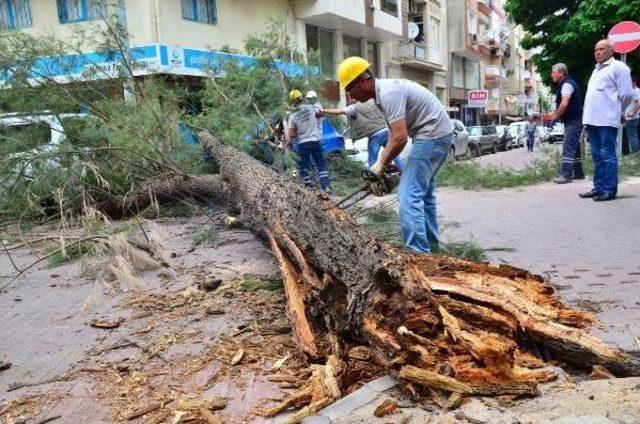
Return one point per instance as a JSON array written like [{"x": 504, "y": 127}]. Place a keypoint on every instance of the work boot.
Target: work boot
[
  {"x": 562, "y": 180},
  {"x": 579, "y": 177},
  {"x": 327, "y": 190},
  {"x": 589, "y": 194},
  {"x": 604, "y": 197}
]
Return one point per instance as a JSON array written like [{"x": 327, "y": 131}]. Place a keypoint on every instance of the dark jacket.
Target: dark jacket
[{"x": 576, "y": 102}]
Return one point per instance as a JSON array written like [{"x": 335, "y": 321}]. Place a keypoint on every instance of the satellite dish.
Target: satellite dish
[{"x": 414, "y": 30}]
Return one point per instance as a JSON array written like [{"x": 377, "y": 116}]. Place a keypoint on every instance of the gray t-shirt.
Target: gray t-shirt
[
  {"x": 305, "y": 123},
  {"x": 636, "y": 99},
  {"x": 403, "y": 99}
]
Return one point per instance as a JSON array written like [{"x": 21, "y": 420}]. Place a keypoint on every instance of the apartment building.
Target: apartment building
[
  {"x": 466, "y": 58},
  {"x": 422, "y": 54},
  {"x": 186, "y": 38}
]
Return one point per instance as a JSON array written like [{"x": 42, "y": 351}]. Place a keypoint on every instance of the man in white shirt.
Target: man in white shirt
[
  {"x": 633, "y": 117},
  {"x": 411, "y": 111},
  {"x": 609, "y": 94}
]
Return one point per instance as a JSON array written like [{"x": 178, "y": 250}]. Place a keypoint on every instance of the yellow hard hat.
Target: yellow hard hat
[
  {"x": 350, "y": 69},
  {"x": 295, "y": 95}
]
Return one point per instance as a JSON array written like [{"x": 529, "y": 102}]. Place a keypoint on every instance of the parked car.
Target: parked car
[
  {"x": 542, "y": 133},
  {"x": 506, "y": 138},
  {"x": 556, "y": 133},
  {"x": 460, "y": 146},
  {"x": 517, "y": 130},
  {"x": 24, "y": 135},
  {"x": 483, "y": 139}
]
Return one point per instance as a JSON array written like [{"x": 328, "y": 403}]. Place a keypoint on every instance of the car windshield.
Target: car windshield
[
  {"x": 475, "y": 131},
  {"x": 23, "y": 137},
  {"x": 500, "y": 130},
  {"x": 513, "y": 130}
]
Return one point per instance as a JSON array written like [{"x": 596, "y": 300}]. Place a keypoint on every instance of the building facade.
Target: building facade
[
  {"x": 186, "y": 38},
  {"x": 452, "y": 47}
]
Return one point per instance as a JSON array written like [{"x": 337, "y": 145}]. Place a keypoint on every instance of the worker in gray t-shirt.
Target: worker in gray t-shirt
[
  {"x": 366, "y": 120},
  {"x": 411, "y": 111},
  {"x": 303, "y": 128}
]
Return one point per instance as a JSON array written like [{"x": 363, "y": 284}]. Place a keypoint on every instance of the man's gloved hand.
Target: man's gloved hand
[{"x": 377, "y": 168}]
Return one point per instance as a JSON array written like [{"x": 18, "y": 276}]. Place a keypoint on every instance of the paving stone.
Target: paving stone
[{"x": 583, "y": 419}]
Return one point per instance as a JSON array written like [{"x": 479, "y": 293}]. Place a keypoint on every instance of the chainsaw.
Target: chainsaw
[{"x": 378, "y": 185}]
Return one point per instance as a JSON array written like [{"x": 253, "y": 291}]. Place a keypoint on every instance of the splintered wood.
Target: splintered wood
[{"x": 449, "y": 328}]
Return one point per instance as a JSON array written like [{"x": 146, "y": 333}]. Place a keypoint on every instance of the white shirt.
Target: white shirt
[
  {"x": 608, "y": 94},
  {"x": 566, "y": 90},
  {"x": 403, "y": 99}
]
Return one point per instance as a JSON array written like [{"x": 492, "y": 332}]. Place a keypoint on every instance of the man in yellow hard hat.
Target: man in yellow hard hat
[
  {"x": 304, "y": 129},
  {"x": 411, "y": 111}
]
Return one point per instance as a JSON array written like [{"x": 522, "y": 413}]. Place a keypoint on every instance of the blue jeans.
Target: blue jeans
[
  {"x": 605, "y": 161},
  {"x": 418, "y": 216},
  {"x": 632, "y": 134},
  {"x": 571, "y": 155},
  {"x": 306, "y": 151},
  {"x": 376, "y": 142},
  {"x": 531, "y": 139}
]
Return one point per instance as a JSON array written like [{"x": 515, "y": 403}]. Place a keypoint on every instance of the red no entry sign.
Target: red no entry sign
[{"x": 625, "y": 36}]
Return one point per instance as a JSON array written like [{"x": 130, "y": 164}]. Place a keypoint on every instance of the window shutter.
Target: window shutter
[{"x": 62, "y": 11}]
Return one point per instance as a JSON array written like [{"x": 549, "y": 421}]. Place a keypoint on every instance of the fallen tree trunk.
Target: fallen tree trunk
[{"x": 442, "y": 324}]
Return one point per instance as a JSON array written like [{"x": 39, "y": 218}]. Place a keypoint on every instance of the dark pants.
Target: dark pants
[
  {"x": 605, "y": 160},
  {"x": 306, "y": 151},
  {"x": 571, "y": 155},
  {"x": 531, "y": 138}
]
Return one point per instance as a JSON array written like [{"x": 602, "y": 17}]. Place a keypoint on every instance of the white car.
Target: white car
[
  {"x": 46, "y": 134},
  {"x": 516, "y": 129},
  {"x": 556, "y": 134},
  {"x": 459, "y": 147}
]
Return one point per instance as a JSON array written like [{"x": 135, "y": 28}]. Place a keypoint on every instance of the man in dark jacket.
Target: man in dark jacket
[{"x": 569, "y": 103}]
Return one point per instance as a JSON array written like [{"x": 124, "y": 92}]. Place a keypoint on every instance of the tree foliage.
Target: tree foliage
[
  {"x": 567, "y": 30},
  {"x": 118, "y": 147}
]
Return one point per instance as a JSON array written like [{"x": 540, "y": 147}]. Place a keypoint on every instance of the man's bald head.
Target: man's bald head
[{"x": 603, "y": 50}]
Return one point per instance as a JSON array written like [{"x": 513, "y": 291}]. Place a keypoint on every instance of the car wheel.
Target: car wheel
[
  {"x": 477, "y": 150},
  {"x": 494, "y": 147}
]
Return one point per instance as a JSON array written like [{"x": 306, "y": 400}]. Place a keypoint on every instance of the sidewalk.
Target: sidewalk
[{"x": 590, "y": 251}]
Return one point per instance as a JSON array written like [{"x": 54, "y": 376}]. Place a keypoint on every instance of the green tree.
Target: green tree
[{"x": 567, "y": 30}]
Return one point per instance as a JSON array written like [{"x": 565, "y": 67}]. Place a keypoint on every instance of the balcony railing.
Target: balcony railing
[{"x": 418, "y": 54}]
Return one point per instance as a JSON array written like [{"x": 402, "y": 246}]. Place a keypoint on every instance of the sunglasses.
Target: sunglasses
[{"x": 349, "y": 89}]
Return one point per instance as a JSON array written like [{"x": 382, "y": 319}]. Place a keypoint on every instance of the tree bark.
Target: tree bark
[{"x": 440, "y": 323}]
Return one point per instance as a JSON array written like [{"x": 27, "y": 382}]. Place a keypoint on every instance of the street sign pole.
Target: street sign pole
[
  {"x": 626, "y": 38},
  {"x": 623, "y": 59}
]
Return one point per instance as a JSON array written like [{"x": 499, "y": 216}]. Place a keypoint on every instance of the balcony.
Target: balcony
[
  {"x": 351, "y": 17},
  {"x": 484, "y": 8},
  {"x": 493, "y": 74},
  {"x": 419, "y": 56},
  {"x": 484, "y": 51}
]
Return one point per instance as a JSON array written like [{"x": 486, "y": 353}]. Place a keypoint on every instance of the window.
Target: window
[
  {"x": 81, "y": 10},
  {"x": 320, "y": 41},
  {"x": 350, "y": 46},
  {"x": 200, "y": 10},
  {"x": 14, "y": 14},
  {"x": 389, "y": 6}
]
